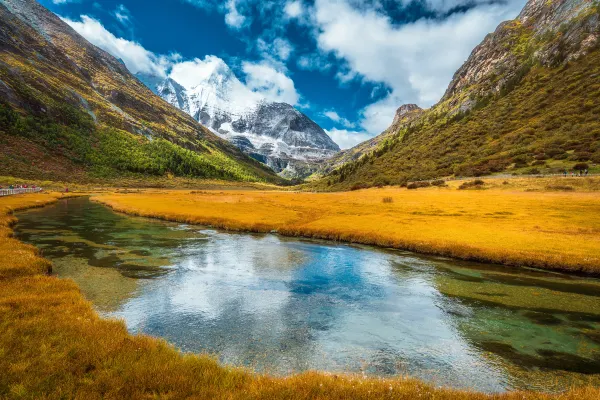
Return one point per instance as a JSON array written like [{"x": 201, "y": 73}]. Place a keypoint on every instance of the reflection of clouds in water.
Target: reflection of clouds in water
[
  {"x": 229, "y": 269},
  {"x": 403, "y": 330},
  {"x": 282, "y": 306}
]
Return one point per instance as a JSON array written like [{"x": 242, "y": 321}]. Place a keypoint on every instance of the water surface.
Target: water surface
[{"x": 287, "y": 305}]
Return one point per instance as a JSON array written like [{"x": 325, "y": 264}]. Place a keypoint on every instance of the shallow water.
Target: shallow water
[{"x": 287, "y": 305}]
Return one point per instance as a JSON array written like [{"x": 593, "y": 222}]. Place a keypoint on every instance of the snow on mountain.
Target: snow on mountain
[{"x": 274, "y": 133}]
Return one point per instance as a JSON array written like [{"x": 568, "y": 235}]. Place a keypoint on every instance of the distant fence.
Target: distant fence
[{"x": 8, "y": 192}]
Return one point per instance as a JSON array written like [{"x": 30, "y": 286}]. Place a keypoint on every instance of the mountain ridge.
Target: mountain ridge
[
  {"x": 81, "y": 114},
  {"x": 522, "y": 102}
]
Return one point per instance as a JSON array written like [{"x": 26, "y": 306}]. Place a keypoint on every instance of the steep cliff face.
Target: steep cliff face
[
  {"x": 526, "y": 100},
  {"x": 277, "y": 134}
]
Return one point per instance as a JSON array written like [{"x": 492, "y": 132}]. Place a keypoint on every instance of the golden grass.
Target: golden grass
[
  {"x": 544, "y": 229},
  {"x": 133, "y": 183},
  {"x": 53, "y": 345}
]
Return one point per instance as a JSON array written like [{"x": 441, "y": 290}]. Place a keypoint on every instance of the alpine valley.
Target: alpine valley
[{"x": 179, "y": 234}]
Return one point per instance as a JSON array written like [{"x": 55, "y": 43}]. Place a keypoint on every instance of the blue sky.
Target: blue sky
[{"x": 347, "y": 64}]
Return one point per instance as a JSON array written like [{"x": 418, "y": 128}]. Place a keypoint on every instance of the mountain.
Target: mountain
[
  {"x": 404, "y": 115},
  {"x": 526, "y": 100},
  {"x": 274, "y": 133},
  {"x": 70, "y": 111}
]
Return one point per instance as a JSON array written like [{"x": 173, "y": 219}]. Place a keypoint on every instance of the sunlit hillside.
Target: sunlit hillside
[{"x": 539, "y": 114}]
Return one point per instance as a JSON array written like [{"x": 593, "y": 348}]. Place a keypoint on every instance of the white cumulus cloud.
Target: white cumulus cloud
[
  {"x": 233, "y": 18},
  {"x": 346, "y": 138},
  {"x": 262, "y": 79},
  {"x": 273, "y": 84},
  {"x": 335, "y": 117},
  {"x": 134, "y": 55}
]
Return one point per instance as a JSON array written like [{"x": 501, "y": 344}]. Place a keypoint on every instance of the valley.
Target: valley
[{"x": 197, "y": 232}]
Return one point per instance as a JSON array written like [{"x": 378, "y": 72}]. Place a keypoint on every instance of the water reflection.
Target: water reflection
[{"x": 282, "y": 306}]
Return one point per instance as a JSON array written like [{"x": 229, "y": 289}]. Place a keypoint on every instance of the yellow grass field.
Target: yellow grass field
[
  {"x": 54, "y": 346},
  {"x": 521, "y": 226}
]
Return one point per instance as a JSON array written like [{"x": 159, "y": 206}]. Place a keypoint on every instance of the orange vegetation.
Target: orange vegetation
[
  {"x": 553, "y": 230},
  {"x": 53, "y": 345}
]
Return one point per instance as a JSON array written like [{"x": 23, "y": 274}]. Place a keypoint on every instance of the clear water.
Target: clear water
[{"x": 287, "y": 305}]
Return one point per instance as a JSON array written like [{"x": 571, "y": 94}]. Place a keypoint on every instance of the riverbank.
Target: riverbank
[
  {"x": 541, "y": 228},
  {"x": 53, "y": 345}
]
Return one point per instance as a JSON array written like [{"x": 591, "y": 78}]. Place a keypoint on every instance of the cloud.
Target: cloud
[
  {"x": 293, "y": 9},
  {"x": 274, "y": 85},
  {"x": 232, "y": 10},
  {"x": 263, "y": 79},
  {"x": 313, "y": 62},
  {"x": 233, "y": 18},
  {"x": 279, "y": 49},
  {"x": 191, "y": 73},
  {"x": 347, "y": 139},
  {"x": 134, "y": 55},
  {"x": 122, "y": 14},
  {"x": 335, "y": 117},
  {"x": 416, "y": 60}
]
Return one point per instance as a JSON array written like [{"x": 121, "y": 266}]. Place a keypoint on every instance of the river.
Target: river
[{"x": 281, "y": 305}]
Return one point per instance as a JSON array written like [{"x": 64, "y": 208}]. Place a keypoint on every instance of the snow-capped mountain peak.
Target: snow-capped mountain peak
[{"x": 274, "y": 133}]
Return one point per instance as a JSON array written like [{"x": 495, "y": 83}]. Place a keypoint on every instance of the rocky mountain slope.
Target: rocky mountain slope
[
  {"x": 526, "y": 100},
  {"x": 71, "y": 111},
  {"x": 274, "y": 133},
  {"x": 404, "y": 115}
]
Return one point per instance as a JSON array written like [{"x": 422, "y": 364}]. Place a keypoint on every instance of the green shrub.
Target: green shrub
[
  {"x": 417, "y": 185},
  {"x": 476, "y": 184}
]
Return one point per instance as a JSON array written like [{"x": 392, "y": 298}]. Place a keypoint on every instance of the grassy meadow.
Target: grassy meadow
[
  {"x": 53, "y": 345},
  {"x": 550, "y": 223}
]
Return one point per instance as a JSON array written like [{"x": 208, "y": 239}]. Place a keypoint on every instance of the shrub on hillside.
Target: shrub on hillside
[
  {"x": 520, "y": 161},
  {"x": 582, "y": 156},
  {"x": 560, "y": 188},
  {"x": 581, "y": 166},
  {"x": 388, "y": 200},
  {"x": 417, "y": 185},
  {"x": 439, "y": 182},
  {"x": 359, "y": 186},
  {"x": 476, "y": 184},
  {"x": 381, "y": 182}
]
